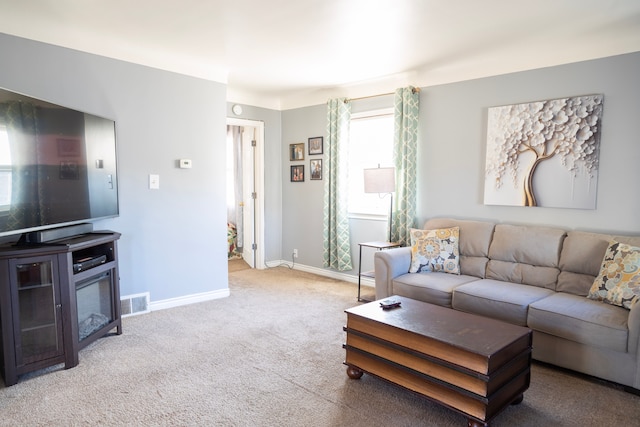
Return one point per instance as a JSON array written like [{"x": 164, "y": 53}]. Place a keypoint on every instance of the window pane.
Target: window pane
[
  {"x": 5, "y": 152},
  {"x": 5, "y": 170},
  {"x": 370, "y": 146}
]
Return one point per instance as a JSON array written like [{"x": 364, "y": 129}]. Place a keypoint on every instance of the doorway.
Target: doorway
[{"x": 245, "y": 191}]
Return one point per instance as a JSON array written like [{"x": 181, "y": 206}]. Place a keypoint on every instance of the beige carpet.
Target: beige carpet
[
  {"x": 237, "y": 264},
  {"x": 269, "y": 355}
]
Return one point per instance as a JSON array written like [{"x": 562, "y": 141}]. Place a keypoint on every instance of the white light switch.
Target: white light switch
[
  {"x": 185, "y": 163},
  {"x": 154, "y": 181}
]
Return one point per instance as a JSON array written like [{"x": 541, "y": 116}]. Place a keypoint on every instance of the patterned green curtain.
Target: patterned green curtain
[
  {"x": 405, "y": 152},
  {"x": 336, "y": 243}
]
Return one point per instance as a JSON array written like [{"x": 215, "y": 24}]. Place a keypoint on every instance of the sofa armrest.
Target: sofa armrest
[
  {"x": 389, "y": 264},
  {"x": 633, "y": 323},
  {"x": 633, "y": 345}
]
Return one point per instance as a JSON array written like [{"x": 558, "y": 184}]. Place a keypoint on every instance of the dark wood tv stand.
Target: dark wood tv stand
[{"x": 55, "y": 299}]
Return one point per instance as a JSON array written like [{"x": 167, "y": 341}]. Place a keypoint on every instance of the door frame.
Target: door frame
[{"x": 258, "y": 169}]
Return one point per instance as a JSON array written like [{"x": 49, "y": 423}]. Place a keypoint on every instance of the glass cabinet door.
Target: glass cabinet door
[{"x": 38, "y": 327}]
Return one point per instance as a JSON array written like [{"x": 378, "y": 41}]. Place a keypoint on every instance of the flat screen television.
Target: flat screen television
[{"x": 57, "y": 166}]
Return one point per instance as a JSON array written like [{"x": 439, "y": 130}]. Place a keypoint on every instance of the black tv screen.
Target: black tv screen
[{"x": 57, "y": 165}]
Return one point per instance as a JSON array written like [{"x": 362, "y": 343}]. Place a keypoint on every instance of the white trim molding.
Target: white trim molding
[
  {"x": 365, "y": 281},
  {"x": 188, "y": 299}
]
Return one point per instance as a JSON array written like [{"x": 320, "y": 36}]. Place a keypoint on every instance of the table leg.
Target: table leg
[
  {"x": 354, "y": 373},
  {"x": 518, "y": 400}
]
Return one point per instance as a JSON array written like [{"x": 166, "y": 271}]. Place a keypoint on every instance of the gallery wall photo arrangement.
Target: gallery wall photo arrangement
[{"x": 544, "y": 153}]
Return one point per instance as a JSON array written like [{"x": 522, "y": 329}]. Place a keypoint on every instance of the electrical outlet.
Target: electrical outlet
[{"x": 295, "y": 253}]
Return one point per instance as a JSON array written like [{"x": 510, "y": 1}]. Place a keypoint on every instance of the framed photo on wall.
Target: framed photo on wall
[
  {"x": 315, "y": 145},
  {"x": 316, "y": 168},
  {"x": 297, "y": 173},
  {"x": 296, "y": 151}
]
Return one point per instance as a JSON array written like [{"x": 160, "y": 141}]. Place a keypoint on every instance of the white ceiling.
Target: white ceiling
[{"x": 289, "y": 53}]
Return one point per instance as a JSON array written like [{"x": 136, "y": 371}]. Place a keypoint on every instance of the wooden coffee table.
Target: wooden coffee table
[{"x": 471, "y": 364}]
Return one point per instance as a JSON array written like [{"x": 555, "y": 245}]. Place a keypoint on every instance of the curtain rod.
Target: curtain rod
[{"x": 414, "y": 90}]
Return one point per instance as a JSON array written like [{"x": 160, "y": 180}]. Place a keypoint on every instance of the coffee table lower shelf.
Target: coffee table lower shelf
[{"x": 480, "y": 410}]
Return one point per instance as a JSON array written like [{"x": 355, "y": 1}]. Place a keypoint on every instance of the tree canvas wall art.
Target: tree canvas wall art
[{"x": 544, "y": 153}]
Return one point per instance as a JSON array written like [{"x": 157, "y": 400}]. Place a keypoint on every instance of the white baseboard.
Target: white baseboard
[
  {"x": 223, "y": 293},
  {"x": 365, "y": 281},
  {"x": 188, "y": 299}
]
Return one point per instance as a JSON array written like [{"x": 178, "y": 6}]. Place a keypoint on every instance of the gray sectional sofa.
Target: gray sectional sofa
[{"x": 532, "y": 276}]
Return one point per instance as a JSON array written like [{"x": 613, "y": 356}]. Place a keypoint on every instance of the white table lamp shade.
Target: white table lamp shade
[{"x": 380, "y": 180}]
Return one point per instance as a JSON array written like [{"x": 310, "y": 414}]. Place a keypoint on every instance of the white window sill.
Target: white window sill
[{"x": 368, "y": 217}]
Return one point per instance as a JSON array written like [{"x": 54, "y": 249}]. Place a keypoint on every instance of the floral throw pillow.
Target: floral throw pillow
[
  {"x": 618, "y": 282},
  {"x": 435, "y": 250}
]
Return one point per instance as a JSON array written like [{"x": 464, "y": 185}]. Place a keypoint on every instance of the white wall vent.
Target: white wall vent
[{"x": 132, "y": 305}]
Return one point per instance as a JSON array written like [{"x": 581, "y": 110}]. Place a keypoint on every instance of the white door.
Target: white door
[
  {"x": 253, "y": 183},
  {"x": 248, "y": 203}
]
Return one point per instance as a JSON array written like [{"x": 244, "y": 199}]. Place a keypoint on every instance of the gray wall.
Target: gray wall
[
  {"x": 452, "y": 145},
  {"x": 302, "y": 201},
  {"x": 173, "y": 239}
]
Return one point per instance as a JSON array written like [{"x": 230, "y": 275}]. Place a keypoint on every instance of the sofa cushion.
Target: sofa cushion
[
  {"x": 499, "y": 300},
  {"x": 618, "y": 282},
  {"x": 473, "y": 244},
  {"x": 435, "y": 288},
  {"x": 435, "y": 250},
  {"x": 534, "y": 275},
  {"x": 528, "y": 255},
  {"x": 581, "y": 259},
  {"x": 581, "y": 320}
]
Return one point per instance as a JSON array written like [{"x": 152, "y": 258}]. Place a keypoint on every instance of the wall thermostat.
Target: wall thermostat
[{"x": 185, "y": 163}]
